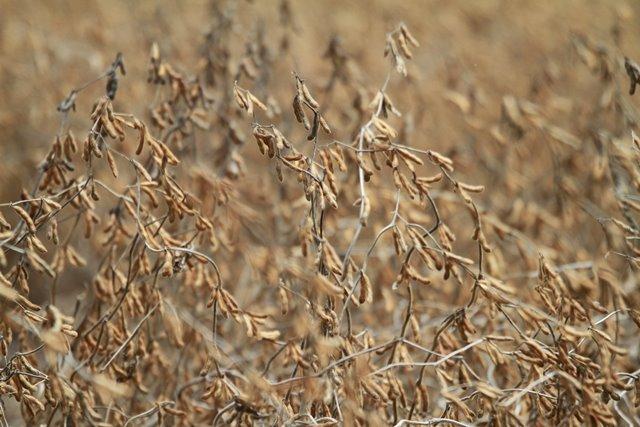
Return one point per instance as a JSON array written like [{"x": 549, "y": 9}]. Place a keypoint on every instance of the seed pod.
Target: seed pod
[
  {"x": 440, "y": 160},
  {"x": 168, "y": 154},
  {"x": 325, "y": 286},
  {"x": 112, "y": 164},
  {"x": 240, "y": 97},
  {"x": 387, "y": 130},
  {"x": 404, "y": 48},
  {"x": 155, "y": 52},
  {"x": 388, "y": 105},
  {"x": 399, "y": 242},
  {"x": 329, "y": 196},
  {"x": 396, "y": 179},
  {"x": 142, "y": 137},
  {"x": 297, "y": 109},
  {"x": 314, "y": 129},
  {"x": 405, "y": 32},
  {"x": 325, "y": 126},
  {"x": 307, "y": 96},
  {"x": 336, "y": 154},
  {"x": 112, "y": 85},
  {"x": 167, "y": 266},
  {"x": 366, "y": 293},
  {"x": 141, "y": 170},
  {"x": 26, "y": 218},
  {"x": 70, "y": 146},
  {"x": 36, "y": 243},
  {"x": 365, "y": 168},
  {"x": 365, "y": 210},
  {"x": 284, "y": 301},
  {"x": 52, "y": 231},
  {"x": 430, "y": 179},
  {"x": 423, "y": 399},
  {"x": 377, "y": 100},
  {"x": 406, "y": 154},
  {"x": 256, "y": 101}
]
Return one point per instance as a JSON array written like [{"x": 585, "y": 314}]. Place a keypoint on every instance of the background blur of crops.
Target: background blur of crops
[
  {"x": 499, "y": 46},
  {"x": 486, "y": 49},
  {"x": 495, "y": 47}
]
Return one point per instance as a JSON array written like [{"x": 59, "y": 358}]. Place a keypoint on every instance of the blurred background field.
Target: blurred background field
[
  {"x": 47, "y": 48},
  {"x": 487, "y": 49}
]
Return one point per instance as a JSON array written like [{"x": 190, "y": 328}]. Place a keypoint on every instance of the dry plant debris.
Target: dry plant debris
[{"x": 308, "y": 255}]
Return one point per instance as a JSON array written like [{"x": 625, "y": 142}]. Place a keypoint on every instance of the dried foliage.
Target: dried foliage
[{"x": 259, "y": 243}]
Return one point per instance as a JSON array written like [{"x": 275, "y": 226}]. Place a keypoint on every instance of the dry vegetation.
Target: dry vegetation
[{"x": 319, "y": 213}]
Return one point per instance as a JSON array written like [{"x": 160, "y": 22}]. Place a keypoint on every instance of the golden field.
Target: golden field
[{"x": 319, "y": 213}]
